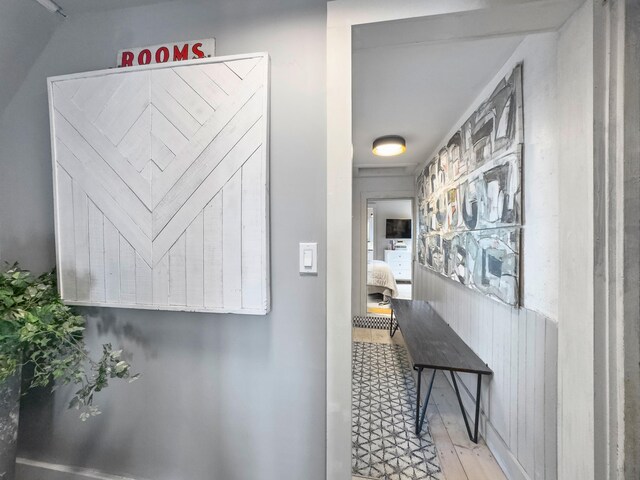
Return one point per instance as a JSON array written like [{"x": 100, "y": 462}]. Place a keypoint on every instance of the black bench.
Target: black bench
[{"x": 432, "y": 343}]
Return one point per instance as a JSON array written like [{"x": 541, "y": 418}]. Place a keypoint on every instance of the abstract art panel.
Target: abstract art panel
[
  {"x": 469, "y": 196},
  {"x": 484, "y": 260},
  {"x": 161, "y": 188}
]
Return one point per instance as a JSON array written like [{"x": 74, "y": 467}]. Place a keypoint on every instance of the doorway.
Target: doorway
[
  {"x": 389, "y": 253},
  {"x": 344, "y": 32}
]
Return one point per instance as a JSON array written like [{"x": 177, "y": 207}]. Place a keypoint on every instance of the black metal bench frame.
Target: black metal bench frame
[{"x": 421, "y": 412}]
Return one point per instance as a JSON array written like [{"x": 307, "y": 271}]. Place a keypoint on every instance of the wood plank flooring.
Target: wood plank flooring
[{"x": 460, "y": 458}]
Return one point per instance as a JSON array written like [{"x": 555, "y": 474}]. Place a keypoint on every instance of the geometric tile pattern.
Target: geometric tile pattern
[
  {"x": 368, "y": 321},
  {"x": 384, "y": 444}
]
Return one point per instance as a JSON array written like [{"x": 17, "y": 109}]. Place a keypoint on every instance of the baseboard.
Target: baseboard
[
  {"x": 35, "y": 470},
  {"x": 507, "y": 461},
  {"x": 499, "y": 449}
]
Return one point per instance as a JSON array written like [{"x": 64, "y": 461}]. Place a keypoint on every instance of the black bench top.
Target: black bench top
[{"x": 431, "y": 342}]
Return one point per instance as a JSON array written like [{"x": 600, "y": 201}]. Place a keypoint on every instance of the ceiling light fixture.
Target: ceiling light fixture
[
  {"x": 52, "y": 6},
  {"x": 389, "y": 146}
]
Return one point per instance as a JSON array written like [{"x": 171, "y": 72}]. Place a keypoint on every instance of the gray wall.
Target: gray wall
[
  {"x": 222, "y": 396},
  {"x": 25, "y": 29}
]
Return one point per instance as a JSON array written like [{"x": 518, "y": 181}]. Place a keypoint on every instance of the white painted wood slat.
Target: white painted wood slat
[
  {"x": 222, "y": 75},
  {"x": 66, "y": 239},
  {"x": 253, "y": 224},
  {"x": 213, "y": 251},
  {"x": 242, "y": 68},
  {"x": 538, "y": 403},
  {"x": 231, "y": 240},
  {"x": 94, "y": 93},
  {"x": 125, "y": 106},
  {"x": 96, "y": 253},
  {"x": 195, "y": 261},
  {"x": 81, "y": 225},
  {"x": 159, "y": 171},
  {"x": 127, "y": 272},
  {"x": 178, "y": 272},
  {"x": 203, "y": 84},
  {"x": 111, "y": 262},
  {"x": 164, "y": 130},
  {"x": 135, "y": 144},
  {"x": 171, "y": 108},
  {"x": 161, "y": 282},
  {"x": 144, "y": 282},
  {"x": 168, "y": 79}
]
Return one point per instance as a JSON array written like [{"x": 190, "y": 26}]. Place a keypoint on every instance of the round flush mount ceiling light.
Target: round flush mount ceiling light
[{"x": 389, "y": 146}]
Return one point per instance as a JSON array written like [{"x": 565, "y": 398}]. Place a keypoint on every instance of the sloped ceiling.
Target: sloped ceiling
[
  {"x": 25, "y": 29},
  {"x": 416, "y": 77},
  {"x": 419, "y": 91}
]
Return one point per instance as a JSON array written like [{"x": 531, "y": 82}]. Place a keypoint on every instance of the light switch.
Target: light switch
[{"x": 309, "y": 258}]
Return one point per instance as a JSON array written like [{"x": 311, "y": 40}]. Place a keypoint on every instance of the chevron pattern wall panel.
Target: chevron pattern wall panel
[{"x": 161, "y": 185}]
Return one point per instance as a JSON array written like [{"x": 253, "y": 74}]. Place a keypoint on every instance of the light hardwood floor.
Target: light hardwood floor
[{"x": 460, "y": 458}]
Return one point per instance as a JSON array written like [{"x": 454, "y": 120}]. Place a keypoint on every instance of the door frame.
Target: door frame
[
  {"x": 342, "y": 16},
  {"x": 365, "y": 197}
]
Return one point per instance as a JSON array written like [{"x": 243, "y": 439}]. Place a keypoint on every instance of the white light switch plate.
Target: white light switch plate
[{"x": 309, "y": 258}]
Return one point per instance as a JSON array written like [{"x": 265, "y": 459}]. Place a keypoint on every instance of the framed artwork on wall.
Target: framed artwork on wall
[
  {"x": 470, "y": 198},
  {"x": 161, "y": 185}
]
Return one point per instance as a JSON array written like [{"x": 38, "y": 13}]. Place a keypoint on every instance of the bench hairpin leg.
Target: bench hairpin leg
[
  {"x": 418, "y": 400},
  {"x": 423, "y": 414},
  {"x": 392, "y": 331},
  {"x": 474, "y": 436}
]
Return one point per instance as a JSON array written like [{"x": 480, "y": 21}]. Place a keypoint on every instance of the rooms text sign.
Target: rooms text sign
[{"x": 169, "y": 52}]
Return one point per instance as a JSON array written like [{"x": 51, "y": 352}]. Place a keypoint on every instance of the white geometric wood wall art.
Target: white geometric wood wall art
[{"x": 161, "y": 185}]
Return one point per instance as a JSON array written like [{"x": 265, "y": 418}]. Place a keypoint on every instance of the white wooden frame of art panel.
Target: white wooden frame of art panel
[{"x": 161, "y": 177}]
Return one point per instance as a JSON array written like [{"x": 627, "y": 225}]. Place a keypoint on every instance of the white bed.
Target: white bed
[{"x": 380, "y": 279}]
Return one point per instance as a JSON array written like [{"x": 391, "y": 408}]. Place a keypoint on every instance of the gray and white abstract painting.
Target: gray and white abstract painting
[{"x": 469, "y": 198}]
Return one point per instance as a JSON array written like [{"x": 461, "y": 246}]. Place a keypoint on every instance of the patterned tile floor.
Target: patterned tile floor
[{"x": 384, "y": 445}]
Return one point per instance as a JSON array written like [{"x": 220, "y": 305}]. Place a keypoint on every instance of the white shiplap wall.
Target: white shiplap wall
[
  {"x": 519, "y": 400},
  {"x": 520, "y": 345}
]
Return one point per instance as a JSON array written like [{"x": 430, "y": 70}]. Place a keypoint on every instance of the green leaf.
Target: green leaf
[{"x": 37, "y": 328}]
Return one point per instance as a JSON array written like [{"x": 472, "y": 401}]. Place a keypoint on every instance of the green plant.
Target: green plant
[{"x": 38, "y": 330}]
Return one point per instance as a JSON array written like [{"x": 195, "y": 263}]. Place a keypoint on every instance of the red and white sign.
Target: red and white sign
[{"x": 169, "y": 52}]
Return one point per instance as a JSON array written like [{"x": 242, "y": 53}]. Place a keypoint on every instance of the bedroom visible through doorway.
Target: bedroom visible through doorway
[{"x": 389, "y": 247}]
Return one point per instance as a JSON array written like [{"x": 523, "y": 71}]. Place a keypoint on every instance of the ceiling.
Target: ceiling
[{"x": 419, "y": 91}]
